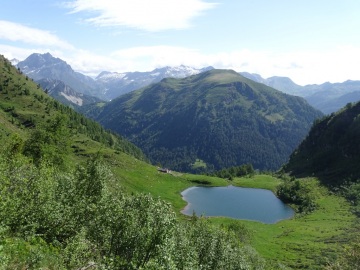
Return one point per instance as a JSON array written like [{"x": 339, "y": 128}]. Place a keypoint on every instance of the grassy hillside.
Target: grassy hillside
[
  {"x": 209, "y": 121},
  {"x": 24, "y": 105}
]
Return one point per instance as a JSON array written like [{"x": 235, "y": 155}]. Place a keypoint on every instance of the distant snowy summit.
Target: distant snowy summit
[
  {"x": 159, "y": 73},
  {"x": 107, "y": 85},
  {"x": 116, "y": 84}
]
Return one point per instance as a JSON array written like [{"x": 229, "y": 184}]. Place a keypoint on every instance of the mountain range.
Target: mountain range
[
  {"x": 106, "y": 86},
  {"x": 327, "y": 97},
  {"x": 116, "y": 84},
  {"x": 45, "y": 66},
  {"x": 211, "y": 120}
]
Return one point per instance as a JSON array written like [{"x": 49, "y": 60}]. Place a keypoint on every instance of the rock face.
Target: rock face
[
  {"x": 45, "y": 66},
  {"x": 65, "y": 94}
]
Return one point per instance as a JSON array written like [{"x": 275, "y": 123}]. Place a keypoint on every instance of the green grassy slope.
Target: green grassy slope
[{"x": 24, "y": 105}]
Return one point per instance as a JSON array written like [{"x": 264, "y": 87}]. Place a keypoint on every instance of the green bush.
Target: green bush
[{"x": 298, "y": 193}]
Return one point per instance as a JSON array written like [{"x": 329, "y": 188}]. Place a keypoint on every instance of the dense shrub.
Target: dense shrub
[{"x": 298, "y": 193}]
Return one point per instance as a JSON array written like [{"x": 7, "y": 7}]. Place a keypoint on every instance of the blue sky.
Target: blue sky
[{"x": 308, "y": 41}]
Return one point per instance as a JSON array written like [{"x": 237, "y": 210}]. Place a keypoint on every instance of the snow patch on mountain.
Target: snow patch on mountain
[
  {"x": 14, "y": 62},
  {"x": 107, "y": 76}
]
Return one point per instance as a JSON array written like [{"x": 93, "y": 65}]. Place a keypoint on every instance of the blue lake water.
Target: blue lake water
[{"x": 236, "y": 202}]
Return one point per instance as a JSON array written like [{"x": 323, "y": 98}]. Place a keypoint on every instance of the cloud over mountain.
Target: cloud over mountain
[{"x": 156, "y": 15}]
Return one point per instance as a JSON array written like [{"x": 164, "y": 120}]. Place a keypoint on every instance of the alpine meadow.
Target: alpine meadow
[
  {"x": 75, "y": 195},
  {"x": 179, "y": 135}
]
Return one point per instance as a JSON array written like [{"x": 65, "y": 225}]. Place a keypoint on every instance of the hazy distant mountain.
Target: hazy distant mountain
[
  {"x": 284, "y": 84},
  {"x": 326, "y": 97},
  {"x": 45, "y": 66},
  {"x": 255, "y": 77},
  {"x": 65, "y": 94},
  {"x": 330, "y": 97},
  {"x": 218, "y": 117},
  {"x": 116, "y": 84}
]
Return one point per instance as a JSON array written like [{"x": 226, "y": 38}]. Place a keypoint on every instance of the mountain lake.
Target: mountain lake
[{"x": 236, "y": 202}]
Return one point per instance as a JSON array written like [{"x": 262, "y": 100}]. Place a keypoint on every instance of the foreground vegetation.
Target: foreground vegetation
[
  {"x": 75, "y": 196},
  {"x": 77, "y": 217}
]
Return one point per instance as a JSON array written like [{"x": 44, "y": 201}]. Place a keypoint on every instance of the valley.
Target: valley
[{"x": 86, "y": 196}]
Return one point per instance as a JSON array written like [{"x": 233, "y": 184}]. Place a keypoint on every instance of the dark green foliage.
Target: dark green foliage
[
  {"x": 352, "y": 193},
  {"x": 134, "y": 229},
  {"x": 218, "y": 117},
  {"x": 331, "y": 151},
  {"x": 51, "y": 142},
  {"x": 237, "y": 171},
  {"x": 297, "y": 193}
]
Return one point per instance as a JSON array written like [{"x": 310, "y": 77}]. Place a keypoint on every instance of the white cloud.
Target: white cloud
[
  {"x": 149, "y": 57},
  {"x": 92, "y": 64},
  {"x": 18, "y": 32},
  {"x": 155, "y": 15}
]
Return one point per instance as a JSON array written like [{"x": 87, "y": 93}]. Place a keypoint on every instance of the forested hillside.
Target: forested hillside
[
  {"x": 331, "y": 151},
  {"x": 210, "y": 121}
]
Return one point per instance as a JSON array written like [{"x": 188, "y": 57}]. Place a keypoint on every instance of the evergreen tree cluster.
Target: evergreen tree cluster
[
  {"x": 298, "y": 193},
  {"x": 237, "y": 171}
]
